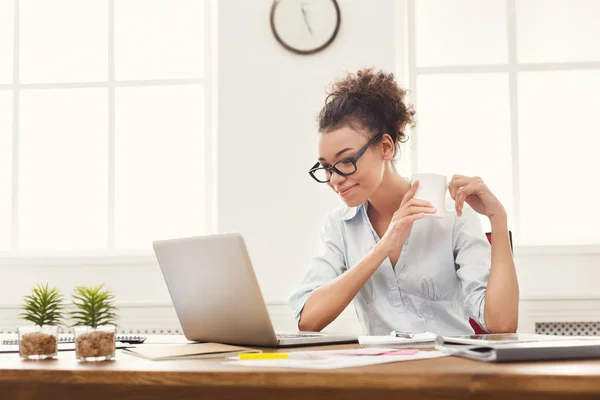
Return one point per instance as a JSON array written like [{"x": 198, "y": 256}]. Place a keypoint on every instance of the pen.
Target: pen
[
  {"x": 263, "y": 356},
  {"x": 401, "y": 334}
]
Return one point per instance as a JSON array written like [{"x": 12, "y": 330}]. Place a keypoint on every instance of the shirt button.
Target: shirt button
[{"x": 420, "y": 316}]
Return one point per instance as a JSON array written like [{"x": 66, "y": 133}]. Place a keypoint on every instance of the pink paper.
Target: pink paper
[
  {"x": 375, "y": 352},
  {"x": 322, "y": 354}
]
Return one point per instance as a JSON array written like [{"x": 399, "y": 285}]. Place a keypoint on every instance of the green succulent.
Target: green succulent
[
  {"x": 44, "y": 306},
  {"x": 94, "y": 306}
]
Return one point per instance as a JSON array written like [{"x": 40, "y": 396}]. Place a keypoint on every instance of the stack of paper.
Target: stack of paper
[
  {"x": 419, "y": 340},
  {"x": 335, "y": 362}
]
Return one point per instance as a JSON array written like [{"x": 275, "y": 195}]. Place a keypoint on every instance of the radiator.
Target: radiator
[{"x": 568, "y": 328}]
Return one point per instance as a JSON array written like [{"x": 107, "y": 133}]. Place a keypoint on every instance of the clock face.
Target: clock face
[{"x": 305, "y": 26}]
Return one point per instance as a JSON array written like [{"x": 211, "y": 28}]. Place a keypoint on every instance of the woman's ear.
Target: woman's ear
[{"x": 387, "y": 147}]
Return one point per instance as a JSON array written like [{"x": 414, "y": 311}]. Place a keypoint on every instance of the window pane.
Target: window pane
[
  {"x": 558, "y": 152},
  {"x": 159, "y": 39},
  {"x": 5, "y": 168},
  {"x": 558, "y": 30},
  {"x": 63, "y": 169},
  {"x": 64, "y": 40},
  {"x": 403, "y": 160},
  {"x": 6, "y": 41},
  {"x": 159, "y": 164},
  {"x": 464, "y": 128},
  {"x": 460, "y": 32}
]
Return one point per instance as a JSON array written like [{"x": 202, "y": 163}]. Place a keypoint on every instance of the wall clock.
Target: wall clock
[{"x": 305, "y": 26}]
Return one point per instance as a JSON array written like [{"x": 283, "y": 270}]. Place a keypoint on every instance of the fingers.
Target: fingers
[
  {"x": 409, "y": 219},
  {"x": 458, "y": 176},
  {"x": 461, "y": 194},
  {"x": 413, "y": 206},
  {"x": 458, "y": 203},
  {"x": 410, "y": 194},
  {"x": 417, "y": 202},
  {"x": 417, "y": 210},
  {"x": 457, "y": 182}
]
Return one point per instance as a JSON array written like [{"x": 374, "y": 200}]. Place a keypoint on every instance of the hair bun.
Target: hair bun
[{"x": 370, "y": 98}]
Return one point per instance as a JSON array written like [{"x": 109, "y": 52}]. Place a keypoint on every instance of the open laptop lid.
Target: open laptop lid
[{"x": 214, "y": 289}]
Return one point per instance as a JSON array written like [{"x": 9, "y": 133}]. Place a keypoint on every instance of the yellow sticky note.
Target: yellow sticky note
[{"x": 263, "y": 356}]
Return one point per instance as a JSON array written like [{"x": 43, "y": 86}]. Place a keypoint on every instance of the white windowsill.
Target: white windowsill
[
  {"x": 75, "y": 260},
  {"x": 578, "y": 250},
  {"x": 8, "y": 259}
]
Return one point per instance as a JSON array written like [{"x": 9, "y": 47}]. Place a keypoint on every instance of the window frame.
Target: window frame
[
  {"x": 408, "y": 69},
  {"x": 111, "y": 255}
]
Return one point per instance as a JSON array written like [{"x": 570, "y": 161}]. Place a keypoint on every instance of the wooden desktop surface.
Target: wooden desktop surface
[{"x": 131, "y": 377}]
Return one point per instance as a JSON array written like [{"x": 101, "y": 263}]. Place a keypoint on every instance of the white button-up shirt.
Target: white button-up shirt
[{"x": 439, "y": 281}]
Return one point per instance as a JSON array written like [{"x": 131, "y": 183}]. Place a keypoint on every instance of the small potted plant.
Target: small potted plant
[
  {"x": 94, "y": 323},
  {"x": 44, "y": 307}
]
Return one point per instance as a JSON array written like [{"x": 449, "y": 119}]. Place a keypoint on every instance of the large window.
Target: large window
[
  {"x": 104, "y": 115},
  {"x": 508, "y": 90}
]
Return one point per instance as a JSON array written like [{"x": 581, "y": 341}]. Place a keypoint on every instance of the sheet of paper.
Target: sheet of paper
[
  {"x": 335, "y": 362},
  {"x": 182, "y": 351},
  {"x": 166, "y": 339},
  {"x": 426, "y": 339},
  {"x": 318, "y": 354}
]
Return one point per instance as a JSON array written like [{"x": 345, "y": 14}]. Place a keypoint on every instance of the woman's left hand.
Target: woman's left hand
[{"x": 475, "y": 192}]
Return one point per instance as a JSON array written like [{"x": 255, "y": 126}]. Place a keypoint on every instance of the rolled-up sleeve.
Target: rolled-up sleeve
[
  {"x": 327, "y": 263},
  {"x": 472, "y": 255}
]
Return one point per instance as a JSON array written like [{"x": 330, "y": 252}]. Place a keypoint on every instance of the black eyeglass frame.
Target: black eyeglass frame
[{"x": 352, "y": 159}]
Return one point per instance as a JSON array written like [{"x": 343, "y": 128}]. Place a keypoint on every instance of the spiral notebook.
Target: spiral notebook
[
  {"x": 419, "y": 340},
  {"x": 131, "y": 339}
]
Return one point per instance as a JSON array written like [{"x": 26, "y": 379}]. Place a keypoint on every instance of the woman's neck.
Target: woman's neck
[{"x": 387, "y": 198}]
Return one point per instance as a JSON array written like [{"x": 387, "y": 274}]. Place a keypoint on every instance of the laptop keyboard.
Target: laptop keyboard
[{"x": 298, "y": 335}]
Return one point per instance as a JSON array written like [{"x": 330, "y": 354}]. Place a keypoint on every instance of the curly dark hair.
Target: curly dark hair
[{"x": 369, "y": 99}]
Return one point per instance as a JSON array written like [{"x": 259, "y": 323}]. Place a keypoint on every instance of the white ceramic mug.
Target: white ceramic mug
[{"x": 432, "y": 188}]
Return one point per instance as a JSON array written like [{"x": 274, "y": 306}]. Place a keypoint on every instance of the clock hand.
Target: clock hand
[{"x": 306, "y": 19}]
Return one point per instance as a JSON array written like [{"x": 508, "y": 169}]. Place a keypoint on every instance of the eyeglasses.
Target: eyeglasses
[{"x": 344, "y": 167}]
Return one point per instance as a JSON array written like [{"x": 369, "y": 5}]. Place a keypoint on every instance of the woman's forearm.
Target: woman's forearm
[
  {"x": 502, "y": 295},
  {"x": 327, "y": 302}
]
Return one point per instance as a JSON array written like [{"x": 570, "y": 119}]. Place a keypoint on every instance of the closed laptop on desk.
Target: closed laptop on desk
[
  {"x": 529, "y": 351},
  {"x": 217, "y": 297}
]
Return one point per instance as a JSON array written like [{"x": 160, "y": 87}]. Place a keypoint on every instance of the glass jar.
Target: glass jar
[
  {"x": 38, "y": 342},
  {"x": 95, "y": 344}
]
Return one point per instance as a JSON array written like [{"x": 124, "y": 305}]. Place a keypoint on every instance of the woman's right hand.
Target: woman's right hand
[{"x": 410, "y": 210}]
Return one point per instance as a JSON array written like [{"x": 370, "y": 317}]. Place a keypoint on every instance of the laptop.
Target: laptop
[
  {"x": 216, "y": 295},
  {"x": 527, "y": 351},
  {"x": 507, "y": 347}
]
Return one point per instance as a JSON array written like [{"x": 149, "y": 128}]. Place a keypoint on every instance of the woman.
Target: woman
[{"x": 404, "y": 272}]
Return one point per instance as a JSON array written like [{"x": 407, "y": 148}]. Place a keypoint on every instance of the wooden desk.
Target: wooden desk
[{"x": 130, "y": 377}]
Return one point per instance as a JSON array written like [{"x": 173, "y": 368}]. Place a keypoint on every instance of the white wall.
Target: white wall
[
  {"x": 267, "y": 108},
  {"x": 268, "y": 102}
]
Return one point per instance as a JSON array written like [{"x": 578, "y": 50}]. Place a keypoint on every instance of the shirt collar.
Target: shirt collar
[{"x": 351, "y": 212}]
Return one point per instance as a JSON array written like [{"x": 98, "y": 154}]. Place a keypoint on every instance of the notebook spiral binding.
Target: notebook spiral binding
[{"x": 132, "y": 339}]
